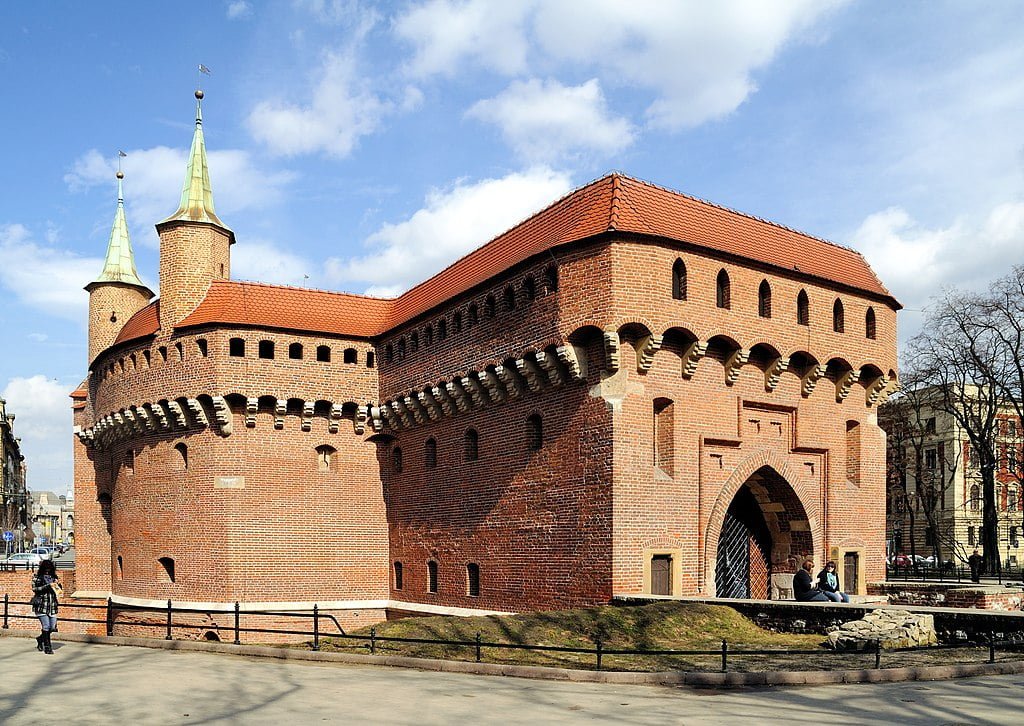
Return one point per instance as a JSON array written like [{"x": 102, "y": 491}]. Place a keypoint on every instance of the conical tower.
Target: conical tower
[
  {"x": 195, "y": 246},
  {"x": 117, "y": 293}
]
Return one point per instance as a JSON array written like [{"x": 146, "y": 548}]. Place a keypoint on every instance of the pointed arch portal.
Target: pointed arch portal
[{"x": 763, "y": 528}]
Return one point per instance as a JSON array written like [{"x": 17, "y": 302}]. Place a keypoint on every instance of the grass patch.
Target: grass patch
[{"x": 659, "y": 626}]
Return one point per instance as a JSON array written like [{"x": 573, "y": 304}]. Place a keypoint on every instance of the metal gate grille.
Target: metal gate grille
[{"x": 743, "y": 569}]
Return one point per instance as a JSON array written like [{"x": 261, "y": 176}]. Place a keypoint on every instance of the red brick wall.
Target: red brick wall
[{"x": 566, "y": 525}]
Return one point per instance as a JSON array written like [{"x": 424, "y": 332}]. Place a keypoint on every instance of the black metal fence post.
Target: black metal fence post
[
  {"x": 599, "y": 651},
  {"x": 478, "y": 647},
  {"x": 237, "y": 619},
  {"x": 878, "y": 654},
  {"x": 316, "y": 627},
  {"x": 991, "y": 647},
  {"x": 6, "y": 598},
  {"x": 725, "y": 656},
  {"x": 168, "y": 636},
  {"x": 110, "y": 617},
  {"x": 373, "y": 641}
]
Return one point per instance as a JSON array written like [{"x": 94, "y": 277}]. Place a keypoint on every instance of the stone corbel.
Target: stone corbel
[
  {"x": 359, "y": 420},
  {"x": 178, "y": 414},
  {"x": 161, "y": 416},
  {"x": 890, "y": 388},
  {"x": 611, "y": 350},
  {"x": 645, "y": 351},
  {"x": 574, "y": 359},
  {"x": 550, "y": 365},
  {"x": 307, "y": 415},
  {"x": 876, "y": 389},
  {"x": 845, "y": 384},
  {"x": 334, "y": 422},
  {"x": 775, "y": 369},
  {"x": 129, "y": 416},
  {"x": 811, "y": 379},
  {"x": 280, "y": 411},
  {"x": 691, "y": 356},
  {"x": 119, "y": 425},
  {"x": 458, "y": 394},
  {"x": 431, "y": 405},
  {"x": 375, "y": 417},
  {"x": 251, "y": 406},
  {"x": 733, "y": 365},
  {"x": 513, "y": 388},
  {"x": 401, "y": 413},
  {"x": 412, "y": 405},
  {"x": 492, "y": 385},
  {"x": 474, "y": 390},
  {"x": 146, "y": 417},
  {"x": 197, "y": 411},
  {"x": 389, "y": 417},
  {"x": 531, "y": 373},
  {"x": 442, "y": 396},
  {"x": 222, "y": 412}
]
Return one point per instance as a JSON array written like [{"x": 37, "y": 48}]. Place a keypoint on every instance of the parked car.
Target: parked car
[
  {"x": 44, "y": 551},
  {"x": 901, "y": 561},
  {"x": 24, "y": 558}
]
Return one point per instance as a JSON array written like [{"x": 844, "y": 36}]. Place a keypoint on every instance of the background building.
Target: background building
[
  {"x": 633, "y": 391},
  {"x": 14, "y": 511},
  {"x": 55, "y": 514},
  {"x": 934, "y": 491}
]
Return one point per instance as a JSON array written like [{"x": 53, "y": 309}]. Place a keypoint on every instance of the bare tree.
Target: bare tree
[{"x": 959, "y": 355}]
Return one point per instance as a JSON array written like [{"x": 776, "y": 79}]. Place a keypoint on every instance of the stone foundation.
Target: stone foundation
[{"x": 888, "y": 628}]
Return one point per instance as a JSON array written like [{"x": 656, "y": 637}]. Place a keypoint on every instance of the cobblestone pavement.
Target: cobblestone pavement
[{"x": 101, "y": 684}]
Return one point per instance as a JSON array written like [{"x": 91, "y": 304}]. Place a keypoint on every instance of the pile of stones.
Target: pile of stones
[{"x": 890, "y": 628}]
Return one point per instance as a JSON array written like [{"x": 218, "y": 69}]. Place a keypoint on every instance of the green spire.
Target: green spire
[
  {"x": 120, "y": 263},
  {"x": 196, "y": 194}
]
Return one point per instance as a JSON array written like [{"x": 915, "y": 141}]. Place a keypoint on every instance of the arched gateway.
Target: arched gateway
[{"x": 764, "y": 528}]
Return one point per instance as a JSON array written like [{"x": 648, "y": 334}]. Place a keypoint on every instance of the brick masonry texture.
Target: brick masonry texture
[{"x": 250, "y": 509}]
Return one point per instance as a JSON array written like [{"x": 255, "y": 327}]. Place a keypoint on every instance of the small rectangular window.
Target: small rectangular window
[
  {"x": 432, "y": 577},
  {"x": 398, "y": 575},
  {"x": 473, "y": 579}
]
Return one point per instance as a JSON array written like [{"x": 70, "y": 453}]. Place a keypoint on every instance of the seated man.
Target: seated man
[
  {"x": 803, "y": 588},
  {"x": 828, "y": 583}
]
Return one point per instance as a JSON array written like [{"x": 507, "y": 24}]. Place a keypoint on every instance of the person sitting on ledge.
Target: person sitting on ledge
[
  {"x": 828, "y": 583},
  {"x": 803, "y": 587}
]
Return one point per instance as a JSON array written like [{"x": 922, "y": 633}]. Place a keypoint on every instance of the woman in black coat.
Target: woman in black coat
[
  {"x": 803, "y": 586},
  {"x": 44, "y": 602},
  {"x": 828, "y": 583}
]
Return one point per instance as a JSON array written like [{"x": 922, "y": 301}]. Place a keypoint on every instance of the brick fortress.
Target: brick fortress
[{"x": 632, "y": 391}]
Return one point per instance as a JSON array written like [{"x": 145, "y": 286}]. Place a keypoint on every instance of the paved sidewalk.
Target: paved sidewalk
[{"x": 100, "y": 684}]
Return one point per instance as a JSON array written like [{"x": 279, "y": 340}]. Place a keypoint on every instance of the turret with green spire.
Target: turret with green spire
[
  {"x": 195, "y": 246},
  {"x": 120, "y": 263},
  {"x": 117, "y": 293},
  {"x": 197, "y": 194}
]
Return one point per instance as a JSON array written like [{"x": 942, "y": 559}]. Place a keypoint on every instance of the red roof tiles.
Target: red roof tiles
[{"x": 613, "y": 203}]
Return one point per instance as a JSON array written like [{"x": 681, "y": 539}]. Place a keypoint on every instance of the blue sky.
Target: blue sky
[{"x": 362, "y": 147}]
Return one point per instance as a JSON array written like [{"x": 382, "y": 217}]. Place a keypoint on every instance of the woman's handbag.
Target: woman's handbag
[{"x": 57, "y": 589}]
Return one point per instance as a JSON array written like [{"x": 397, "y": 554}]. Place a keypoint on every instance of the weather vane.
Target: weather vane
[
  {"x": 120, "y": 155},
  {"x": 203, "y": 71}
]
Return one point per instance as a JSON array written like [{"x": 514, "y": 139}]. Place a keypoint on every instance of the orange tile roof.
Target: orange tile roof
[
  {"x": 612, "y": 203},
  {"x": 290, "y": 308},
  {"x": 143, "y": 323}
]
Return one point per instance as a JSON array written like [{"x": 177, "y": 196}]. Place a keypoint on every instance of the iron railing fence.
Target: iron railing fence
[
  {"x": 28, "y": 566},
  {"x": 373, "y": 642},
  {"x": 958, "y": 573}
]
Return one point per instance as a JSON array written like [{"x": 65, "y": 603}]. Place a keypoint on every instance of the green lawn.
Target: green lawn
[{"x": 660, "y": 626}]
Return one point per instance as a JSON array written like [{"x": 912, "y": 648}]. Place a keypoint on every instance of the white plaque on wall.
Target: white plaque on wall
[{"x": 229, "y": 482}]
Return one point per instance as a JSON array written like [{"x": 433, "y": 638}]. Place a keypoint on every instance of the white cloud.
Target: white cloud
[
  {"x": 452, "y": 222},
  {"x": 263, "y": 261},
  {"x": 45, "y": 278},
  {"x": 696, "y": 59},
  {"x": 239, "y": 9},
  {"x": 154, "y": 177},
  {"x": 546, "y": 121},
  {"x": 447, "y": 34},
  {"x": 916, "y": 262},
  {"x": 342, "y": 110},
  {"x": 39, "y": 337},
  {"x": 43, "y": 422}
]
